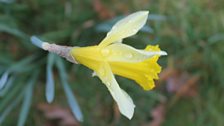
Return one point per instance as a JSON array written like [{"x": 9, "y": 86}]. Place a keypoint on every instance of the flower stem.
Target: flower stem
[{"x": 63, "y": 51}]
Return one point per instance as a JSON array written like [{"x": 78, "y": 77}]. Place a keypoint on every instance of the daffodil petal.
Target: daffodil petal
[
  {"x": 119, "y": 52},
  {"x": 126, "y": 27},
  {"x": 123, "y": 100}
]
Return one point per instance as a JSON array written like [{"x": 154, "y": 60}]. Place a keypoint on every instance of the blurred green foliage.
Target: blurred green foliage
[{"x": 191, "y": 31}]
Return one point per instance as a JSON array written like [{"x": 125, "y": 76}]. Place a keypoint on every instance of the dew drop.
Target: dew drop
[
  {"x": 134, "y": 30},
  {"x": 105, "y": 52},
  {"x": 102, "y": 72},
  {"x": 129, "y": 55},
  {"x": 108, "y": 82}
]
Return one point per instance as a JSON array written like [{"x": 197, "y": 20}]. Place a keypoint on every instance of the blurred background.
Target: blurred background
[{"x": 188, "y": 93}]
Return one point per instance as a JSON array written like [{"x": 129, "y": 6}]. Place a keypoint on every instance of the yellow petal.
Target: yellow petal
[
  {"x": 143, "y": 72},
  {"x": 124, "y": 53},
  {"x": 88, "y": 56},
  {"x": 123, "y": 100},
  {"x": 126, "y": 27},
  {"x": 92, "y": 58}
]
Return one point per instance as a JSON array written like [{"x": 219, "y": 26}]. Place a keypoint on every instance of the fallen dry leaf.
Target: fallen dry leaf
[
  {"x": 57, "y": 115},
  {"x": 158, "y": 115},
  {"x": 179, "y": 82},
  {"x": 182, "y": 84},
  {"x": 167, "y": 73},
  {"x": 189, "y": 87}
]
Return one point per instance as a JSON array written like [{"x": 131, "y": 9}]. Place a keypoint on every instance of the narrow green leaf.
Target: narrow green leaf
[
  {"x": 7, "y": 1},
  {"x": 9, "y": 108},
  {"x": 28, "y": 93},
  {"x": 5, "y": 101},
  {"x": 4, "y": 79},
  {"x": 50, "y": 88},
  {"x": 69, "y": 94},
  {"x": 216, "y": 38},
  {"x": 147, "y": 29},
  {"x": 13, "y": 31},
  {"x": 7, "y": 86},
  {"x": 156, "y": 17},
  {"x": 21, "y": 65}
]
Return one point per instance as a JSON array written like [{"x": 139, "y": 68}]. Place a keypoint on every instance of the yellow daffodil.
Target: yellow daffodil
[{"x": 111, "y": 57}]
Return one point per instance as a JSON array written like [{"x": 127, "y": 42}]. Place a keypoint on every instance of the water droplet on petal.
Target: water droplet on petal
[
  {"x": 105, "y": 52},
  {"x": 109, "y": 84},
  {"x": 107, "y": 80},
  {"x": 102, "y": 73},
  {"x": 129, "y": 55},
  {"x": 134, "y": 30}
]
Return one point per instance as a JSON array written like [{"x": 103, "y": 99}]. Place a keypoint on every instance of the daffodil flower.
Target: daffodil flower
[{"x": 111, "y": 57}]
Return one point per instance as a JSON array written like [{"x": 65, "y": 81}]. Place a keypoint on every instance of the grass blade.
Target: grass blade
[
  {"x": 156, "y": 17},
  {"x": 7, "y": 86},
  {"x": 50, "y": 88},
  {"x": 216, "y": 38},
  {"x": 13, "y": 31},
  {"x": 7, "y": 1},
  {"x": 19, "y": 66},
  {"x": 4, "y": 79},
  {"x": 69, "y": 94},
  {"x": 27, "y": 101},
  {"x": 13, "y": 92},
  {"x": 6, "y": 111}
]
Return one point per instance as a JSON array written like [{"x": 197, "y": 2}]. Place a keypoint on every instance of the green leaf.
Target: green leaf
[
  {"x": 50, "y": 88},
  {"x": 28, "y": 93},
  {"x": 8, "y": 85},
  {"x": 69, "y": 94},
  {"x": 21, "y": 65},
  {"x": 156, "y": 17},
  {"x": 4, "y": 102},
  {"x": 9, "y": 108},
  {"x": 216, "y": 38},
  {"x": 4, "y": 79},
  {"x": 7, "y": 1},
  {"x": 13, "y": 31}
]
